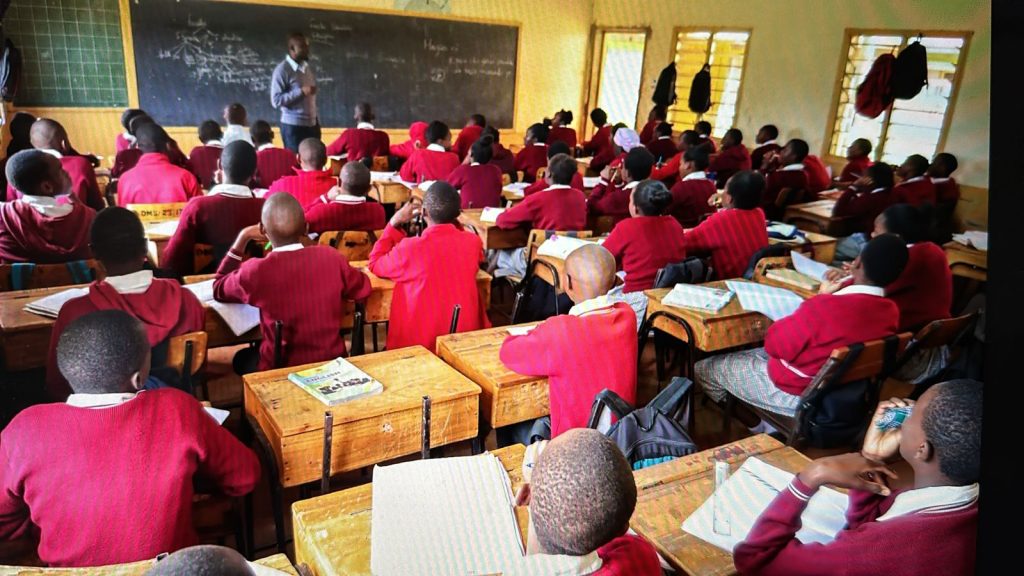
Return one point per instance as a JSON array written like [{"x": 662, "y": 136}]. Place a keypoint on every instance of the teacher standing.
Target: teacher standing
[{"x": 293, "y": 92}]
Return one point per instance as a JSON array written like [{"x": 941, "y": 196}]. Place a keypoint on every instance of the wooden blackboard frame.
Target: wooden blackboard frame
[{"x": 131, "y": 75}]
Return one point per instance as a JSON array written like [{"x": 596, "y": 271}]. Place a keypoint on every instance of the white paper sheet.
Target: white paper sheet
[
  {"x": 383, "y": 176},
  {"x": 491, "y": 214},
  {"x": 591, "y": 181},
  {"x": 426, "y": 184},
  {"x": 261, "y": 570},
  {"x": 167, "y": 228},
  {"x": 219, "y": 415},
  {"x": 560, "y": 246},
  {"x": 50, "y": 306},
  {"x": 749, "y": 490},
  {"x": 974, "y": 239},
  {"x": 443, "y": 516},
  {"x": 808, "y": 266},
  {"x": 520, "y": 330},
  {"x": 339, "y": 157},
  {"x": 773, "y": 302},
  {"x": 239, "y": 317},
  {"x": 699, "y": 297}
]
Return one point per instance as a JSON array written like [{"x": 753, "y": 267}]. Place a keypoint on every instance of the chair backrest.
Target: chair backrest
[
  {"x": 380, "y": 164},
  {"x": 602, "y": 225},
  {"x": 28, "y": 276},
  {"x": 278, "y": 344},
  {"x": 353, "y": 245},
  {"x": 943, "y": 332},
  {"x": 187, "y": 353},
  {"x": 538, "y": 236},
  {"x": 692, "y": 270},
  {"x": 157, "y": 212},
  {"x": 769, "y": 251}
]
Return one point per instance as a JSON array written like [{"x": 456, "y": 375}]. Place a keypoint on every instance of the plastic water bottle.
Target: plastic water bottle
[{"x": 893, "y": 418}]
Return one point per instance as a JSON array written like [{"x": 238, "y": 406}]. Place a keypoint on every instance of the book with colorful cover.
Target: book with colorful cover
[{"x": 336, "y": 382}]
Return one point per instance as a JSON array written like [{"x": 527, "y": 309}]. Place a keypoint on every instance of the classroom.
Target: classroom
[{"x": 315, "y": 287}]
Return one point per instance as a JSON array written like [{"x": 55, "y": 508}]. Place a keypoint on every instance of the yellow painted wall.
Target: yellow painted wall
[{"x": 794, "y": 54}]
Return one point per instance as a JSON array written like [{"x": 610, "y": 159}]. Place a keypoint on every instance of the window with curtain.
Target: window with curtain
[
  {"x": 725, "y": 51},
  {"x": 916, "y": 126}
]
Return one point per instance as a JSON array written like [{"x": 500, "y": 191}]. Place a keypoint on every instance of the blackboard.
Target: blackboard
[
  {"x": 193, "y": 57},
  {"x": 72, "y": 51}
]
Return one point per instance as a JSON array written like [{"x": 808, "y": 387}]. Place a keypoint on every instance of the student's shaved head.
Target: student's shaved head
[
  {"x": 29, "y": 171},
  {"x": 312, "y": 154},
  {"x": 150, "y": 137},
  {"x": 283, "y": 220},
  {"x": 589, "y": 272},
  {"x": 47, "y": 133},
  {"x": 355, "y": 178},
  {"x": 103, "y": 351},
  {"x": 205, "y": 560},
  {"x": 442, "y": 203},
  {"x": 582, "y": 493},
  {"x": 238, "y": 161}
]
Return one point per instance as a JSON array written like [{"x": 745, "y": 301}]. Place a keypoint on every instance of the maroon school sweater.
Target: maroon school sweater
[
  {"x": 560, "y": 207},
  {"x": 114, "y": 485},
  {"x": 272, "y": 164},
  {"x": 478, "y": 184},
  {"x": 305, "y": 186},
  {"x": 757, "y": 154},
  {"x": 924, "y": 291},
  {"x": 530, "y": 159},
  {"x": 610, "y": 199},
  {"x": 690, "y": 199},
  {"x": 855, "y": 168},
  {"x": 360, "y": 143},
  {"x": 915, "y": 191},
  {"x": 947, "y": 191},
  {"x": 426, "y": 164},
  {"x": 306, "y": 289},
  {"x": 463, "y": 143},
  {"x": 204, "y": 160},
  {"x": 643, "y": 244},
  {"x": 214, "y": 219},
  {"x": 775, "y": 182},
  {"x": 731, "y": 237},
  {"x": 345, "y": 213},
  {"x": 662, "y": 148},
  {"x": 542, "y": 184},
  {"x": 28, "y": 236},
  {"x": 562, "y": 134},
  {"x": 862, "y": 206},
  {"x": 83, "y": 182}
]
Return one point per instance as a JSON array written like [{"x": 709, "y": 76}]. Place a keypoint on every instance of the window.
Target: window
[
  {"x": 916, "y": 126},
  {"x": 622, "y": 64},
  {"x": 726, "y": 52}
]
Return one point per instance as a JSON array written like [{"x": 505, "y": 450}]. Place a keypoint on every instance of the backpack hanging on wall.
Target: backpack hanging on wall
[
  {"x": 665, "y": 89},
  {"x": 910, "y": 72},
  {"x": 700, "y": 91},
  {"x": 874, "y": 94}
]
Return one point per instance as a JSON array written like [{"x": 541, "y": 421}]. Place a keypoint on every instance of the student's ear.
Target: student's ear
[{"x": 925, "y": 452}]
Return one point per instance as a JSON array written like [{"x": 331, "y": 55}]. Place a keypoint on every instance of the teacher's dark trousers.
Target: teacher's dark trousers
[{"x": 292, "y": 134}]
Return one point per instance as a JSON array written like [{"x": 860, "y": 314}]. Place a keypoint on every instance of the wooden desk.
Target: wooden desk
[
  {"x": 668, "y": 493},
  {"x": 494, "y": 238},
  {"x": 771, "y": 263},
  {"x": 511, "y": 198},
  {"x": 277, "y": 562},
  {"x": 817, "y": 216},
  {"x": 967, "y": 262},
  {"x": 583, "y": 166},
  {"x": 157, "y": 242},
  {"x": 818, "y": 246},
  {"x": 367, "y": 430},
  {"x": 506, "y": 397},
  {"x": 332, "y": 532},
  {"x": 390, "y": 192}
]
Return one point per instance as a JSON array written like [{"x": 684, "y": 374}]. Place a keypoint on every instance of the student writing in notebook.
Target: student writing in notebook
[
  {"x": 434, "y": 162},
  {"x": 118, "y": 241},
  {"x": 50, "y": 137},
  {"x": 272, "y": 163},
  {"x": 204, "y": 157},
  {"x": 581, "y": 494},
  {"x": 477, "y": 180},
  {"x": 304, "y": 287},
  {"x": 927, "y": 530},
  {"x": 347, "y": 207},
  {"x": 35, "y": 228},
  {"x": 732, "y": 235},
  {"x": 362, "y": 142},
  {"x": 155, "y": 179},
  {"x": 433, "y": 272},
  {"x": 313, "y": 179},
  {"x": 236, "y": 119},
  {"x": 108, "y": 476}
]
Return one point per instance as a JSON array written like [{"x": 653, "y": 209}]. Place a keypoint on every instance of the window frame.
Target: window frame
[
  {"x": 712, "y": 30},
  {"x": 909, "y": 36},
  {"x": 594, "y": 65}
]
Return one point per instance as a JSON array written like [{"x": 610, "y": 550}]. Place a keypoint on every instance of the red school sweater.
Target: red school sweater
[
  {"x": 643, "y": 244},
  {"x": 662, "y": 148},
  {"x": 214, "y": 219},
  {"x": 915, "y": 191},
  {"x": 799, "y": 344},
  {"x": 360, "y": 143},
  {"x": 610, "y": 199},
  {"x": 731, "y": 159},
  {"x": 947, "y": 191},
  {"x": 757, "y": 154},
  {"x": 121, "y": 488},
  {"x": 155, "y": 180},
  {"x": 647, "y": 132},
  {"x": 628, "y": 555},
  {"x": 862, "y": 206},
  {"x": 668, "y": 173},
  {"x": 560, "y": 207},
  {"x": 272, "y": 164},
  {"x": 562, "y": 134},
  {"x": 204, "y": 160},
  {"x": 531, "y": 159},
  {"x": 731, "y": 237},
  {"x": 542, "y": 184},
  {"x": 345, "y": 213},
  {"x": 575, "y": 374},
  {"x": 690, "y": 199},
  {"x": 775, "y": 182},
  {"x": 601, "y": 148},
  {"x": 817, "y": 175},
  {"x": 478, "y": 184},
  {"x": 28, "y": 236},
  {"x": 924, "y": 291},
  {"x": 305, "y": 186},
  {"x": 427, "y": 164},
  {"x": 83, "y": 182},
  {"x": 504, "y": 159},
  {"x": 924, "y": 543},
  {"x": 855, "y": 168},
  {"x": 467, "y": 136},
  {"x": 305, "y": 289}
]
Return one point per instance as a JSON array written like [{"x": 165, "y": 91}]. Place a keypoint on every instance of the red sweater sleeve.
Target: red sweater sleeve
[
  {"x": 789, "y": 336},
  {"x": 528, "y": 354},
  {"x": 224, "y": 460},
  {"x": 387, "y": 260},
  {"x": 179, "y": 255},
  {"x": 616, "y": 244},
  {"x": 15, "y": 521},
  {"x": 408, "y": 170},
  {"x": 192, "y": 187},
  {"x": 338, "y": 146},
  {"x": 229, "y": 285},
  {"x": 357, "y": 284},
  {"x": 517, "y": 215}
]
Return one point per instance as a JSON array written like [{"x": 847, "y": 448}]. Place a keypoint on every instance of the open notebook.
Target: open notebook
[
  {"x": 239, "y": 317},
  {"x": 560, "y": 246},
  {"x": 50, "y": 306},
  {"x": 491, "y": 214},
  {"x": 773, "y": 302}
]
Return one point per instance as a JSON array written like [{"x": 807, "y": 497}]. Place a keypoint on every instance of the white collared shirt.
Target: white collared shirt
[
  {"x": 295, "y": 65},
  {"x": 933, "y": 500},
  {"x": 592, "y": 305},
  {"x": 214, "y": 143},
  {"x": 348, "y": 199},
  {"x": 558, "y": 187},
  {"x": 55, "y": 153},
  {"x": 47, "y": 206},
  {"x": 436, "y": 148},
  {"x": 474, "y": 163},
  {"x": 134, "y": 283},
  {"x": 265, "y": 147},
  {"x": 701, "y": 175},
  {"x": 631, "y": 185},
  {"x": 768, "y": 143},
  {"x": 289, "y": 247},
  {"x": 128, "y": 137},
  {"x": 364, "y": 126},
  {"x": 914, "y": 179},
  {"x": 539, "y": 144},
  {"x": 556, "y": 565},
  {"x": 940, "y": 180},
  {"x": 99, "y": 400},
  {"x": 861, "y": 289},
  {"x": 797, "y": 166},
  {"x": 876, "y": 190},
  {"x": 232, "y": 191},
  {"x": 664, "y": 137}
]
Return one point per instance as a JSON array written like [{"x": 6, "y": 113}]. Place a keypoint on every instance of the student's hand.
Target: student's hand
[
  {"x": 883, "y": 445},
  {"x": 309, "y": 90},
  {"x": 852, "y": 471},
  {"x": 606, "y": 173},
  {"x": 523, "y": 495},
  {"x": 835, "y": 274},
  {"x": 333, "y": 193},
  {"x": 829, "y": 286},
  {"x": 715, "y": 200},
  {"x": 246, "y": 235},
  {"x": 406, "y": 213}
]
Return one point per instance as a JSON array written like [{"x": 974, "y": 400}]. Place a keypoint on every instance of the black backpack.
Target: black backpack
[
  {"x": 665, "y": 90},
  {"x": 653, "y": 434},
  {"x": 10, "y": 70},
  {"x": 909, "y": 72},
  {"x": 700, "y": 91}
]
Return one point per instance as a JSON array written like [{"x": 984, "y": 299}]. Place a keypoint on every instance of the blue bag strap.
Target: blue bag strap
[
  {"x": 80, "y": 272},
  {"x": 21, "y": 274}
]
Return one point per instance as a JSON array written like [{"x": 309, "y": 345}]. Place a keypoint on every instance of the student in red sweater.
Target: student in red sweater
[
  {"x": 575, "y": 374},
  {"x": 661, "y": 145},
  {"x": 35, "y": 228},
  {"x": 929, "y": 529},
  {"x": 655, "y": 118},
  {"x": 542, "y": 184},
  {"x": 272, "y": 163},
  {"x": 560, "y": 130},
  {"x": 479, "y": 181},
  {"x": 914, "y": 188},
  {"x": 818, "y": 176},
  {"x": 785, "y": 170},
  {"x": 668, "y": 172},
  {"x": 502, "y": 157},
  {"x": 311, "y": 311},
  {"x": 534, "y": 154},
  {"x": 581, "y": 494},
  {"x": 732, "y": 235},
  {"x": 108, "y": 477},
  {"x": 691, "y": 194},
  {"x": 947, "y": 194},
  {"x": 217, "y": 218},
  {"x": 433, "y": 272},
  {"x": 118, "y": 241},
  {"x": 154, "y": 179},
  {"x": 600, "y": 145},
  {"x": 126, "y": 139},
  {"x": 417, "y": 139},
  {"x": 347, "y": 207},
  {"x": 767, "y": 145},
  {"x": 50, "y": 137},
  {"x": 362, "y": 142},
  {"x": 703, "y": 129},
  {"x": 434, "y": 162},
  {"x": 733, "y": 157},
  {"x": 312, "y": 180},
  {"x": 795, "y": 347},
  {"x": 558, "y": 207},
  {"x": 125, "y": 160},
  {"x": 611, "y": 199},
  {"x": 205, "y": 157},
  {"x": 469, "y": 134},
  {"x": 865, "y": 199},
  {"x": 858, "y": 160}
]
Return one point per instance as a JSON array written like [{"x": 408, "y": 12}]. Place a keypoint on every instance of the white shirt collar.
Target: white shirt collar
[
  {"x": 588, "y": 306},
  {"x": 56, "y": 154},
  {"x": 631, "y": 185},
  {"x": 265, "y": 146},
  {"x": 558, "y": 187},
  {"x": 232, "y": 191},
  {"x": 436, "y": 148},
  {"x": 289, "y": 247},
  {"x": 695, "y": 176},
  {"x": 914, "y": 179},
  {"x": 878, "y": 190},
  {"x": 861, "y": 289},
  {"x": 768, "y": 143},
  {"x": 47, "y": 206},
  {"x": 539, "y": 144},
  {"x": 134, "y": 283},
  {"x": 295, "y": 65},
  {"x": 349, "y": 199},
  {"x": 128, "y": 137},
  {"x": 214, "y": 143},
  {"x": 364, "y": 126},
  {"x": 940, "y": 180},
  {"x": 703, "y": 136},
  {"x": 933, "y": 500},
  {"x": 664, "y": 137},
  {"x": 556, "y": 565},
  {"x": 474, "y": 163},
  {"x": 99, "y": 400},
  {"x": 797, "y": 166}
]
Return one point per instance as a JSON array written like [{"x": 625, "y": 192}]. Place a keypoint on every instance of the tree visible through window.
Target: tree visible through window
[{"x": 725, "y": 51}]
